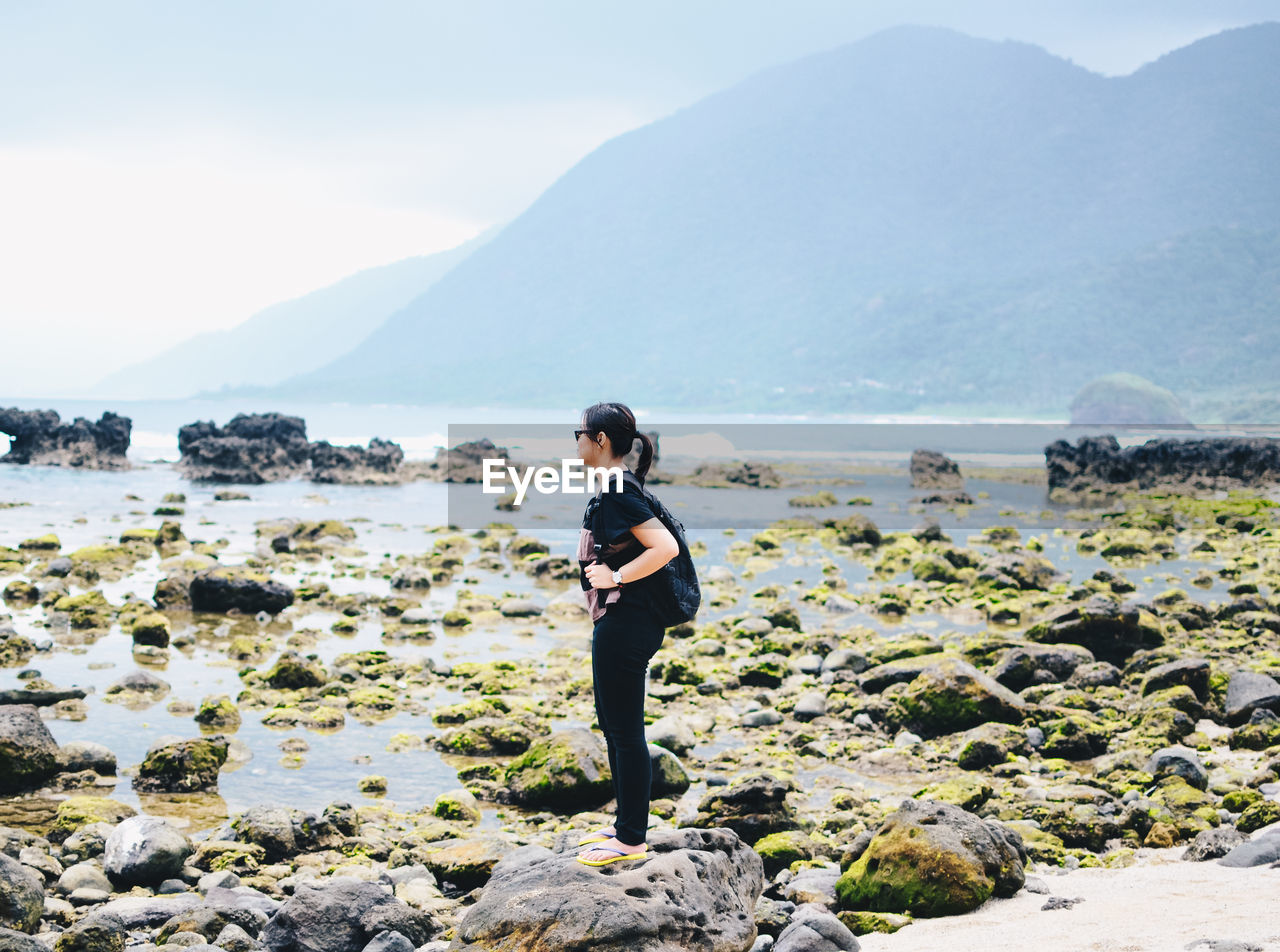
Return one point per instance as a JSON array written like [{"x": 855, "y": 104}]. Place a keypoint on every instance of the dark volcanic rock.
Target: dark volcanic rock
[
  {"x": 40, "y": 436},
  {"x": 932, "y": 470},
  {"x": 343, "y": 915},
  {"x": 28, "y": 752},
  {"x": 379, "y": 464},
  {"x": 697, "y": 890},
  {"x": 952, "y": 695},
  {"x": 1098, "y": 462},
  {"x": 252, "y": 448},
  {"x": 1110, "y": 631},
  {"x": 228, "y": 588},
  {"x": 1248, "y": 691},
  {"x": 753, "y": 807},
  {"x": 21, "y": 896},
  {"x": 182, "y": 767}
]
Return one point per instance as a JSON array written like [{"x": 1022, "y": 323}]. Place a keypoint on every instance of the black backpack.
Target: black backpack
[{"x": 675, "y": 593}]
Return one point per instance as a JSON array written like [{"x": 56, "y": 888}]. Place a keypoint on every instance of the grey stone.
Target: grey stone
[
  {"x": 1213, "y": 844},
  {"x": 697, "y": 889},
  {"x": 390, "y": 941},
  {"x": 342, "y": 915},
  {"x": 11, "y": 941},
  {"x": 1246, "y": 692},
  {"x": 83, "y": 875},
  {"x": 98, "y": 932},
  {"x": 21, "y": 895},
  {"x": 1259, "y": 851},
  {"x": 813, "y": 928},
  {"x": 1181, "y": 762},
  {"x": 86, "y": 755},
  {"x": 144, "y": 851}
]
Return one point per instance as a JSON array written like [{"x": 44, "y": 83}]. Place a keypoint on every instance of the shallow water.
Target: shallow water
[{"x": 90, "y": 507}]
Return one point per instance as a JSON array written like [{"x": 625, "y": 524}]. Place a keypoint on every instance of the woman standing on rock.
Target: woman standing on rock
[{"x": 622, "y": 543}]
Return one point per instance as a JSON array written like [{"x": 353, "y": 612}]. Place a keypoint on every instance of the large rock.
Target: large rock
[
  {"x": 182, "y": 767},
  {"x": 932, "y": 470},
  {"x": 753, "y": 806},
  {"x": 232, "y": 587},
  {"x": 144, "y": 851},
  {"x": 1099, "y": 462},
  {"x": 952, "y": 695},
  {"x": 697, "y": 890},
  {"x": 1248, "y": 691},
  {"x": 568, "y": 768},
  {"x": 1110, "y": 631},
  {"x": 99, "y": 932},
  {"x": 376, "y": 465},
  {"x": 21, "y": 895},
  {"x": 343, "y": 915},
  {"x": 933, "y": 859},
  {"x": 28, "y": 752},
  {"x": 814, "y": 929},
  {"x": 1261, "y": 850},
  {"x": 40, "y": 436},
  {"x": 252, "y": 448},
  {"x": 1024, "y": 665}
]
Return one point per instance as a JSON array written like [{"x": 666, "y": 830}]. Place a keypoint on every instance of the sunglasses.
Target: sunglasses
[{"x": 577, "y": 434}]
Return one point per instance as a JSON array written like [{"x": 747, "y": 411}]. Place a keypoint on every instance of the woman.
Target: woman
[{"x": 632, "y": 545}]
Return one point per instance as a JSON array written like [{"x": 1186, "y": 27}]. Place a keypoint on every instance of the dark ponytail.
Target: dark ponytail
[{"x": 619, "y": 424}]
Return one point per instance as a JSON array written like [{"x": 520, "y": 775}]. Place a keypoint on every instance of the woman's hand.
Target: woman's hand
[{"x": 599, "y": 575}]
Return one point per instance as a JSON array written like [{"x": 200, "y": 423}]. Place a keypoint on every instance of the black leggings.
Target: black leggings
[{"x": 621, "y": 645}]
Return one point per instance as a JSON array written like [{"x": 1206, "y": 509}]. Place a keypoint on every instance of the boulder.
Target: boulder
[
  {"x": 98, "y": 932},
  {"x": 343, "y": 915},
  {"x": 952, "y": 695},
  {"x": 1180, "y": 761},
  {"x": 1110, "y": 631},
  {"x": 28, "y": 752},
  {"x": 251, "y": 448},
  {"x": 932, "y": 470},
  {"x": 1248, "y": 691},
  {"x": 21, "y": 895},
  {"x": 144, "y": 851},
  {"x": 697, "y": 889},
  {"x": 1024, "y": 665},
  {"x": 236, "y": 588},
  {"x": 933, "y": 859},
  {"x": 40, "y": 436},
  {"x": 813, "y": 928},
  {"x": 568, "y": 768},
  {"x": 182, "y": 767},
  {"x": 1213, "y": 844},
  {"x": 753, "y": 806},
  {"x": 1191, "y": 672}
]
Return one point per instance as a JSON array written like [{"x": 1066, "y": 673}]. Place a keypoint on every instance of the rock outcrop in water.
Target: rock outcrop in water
[
  {"x": 1098, "y": 464},
  {"x": 268, "y": 447},
  {"x": 40, "y": 436}
]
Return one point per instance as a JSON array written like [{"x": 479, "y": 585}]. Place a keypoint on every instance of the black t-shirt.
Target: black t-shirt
[{"x": 610, "y": 515}]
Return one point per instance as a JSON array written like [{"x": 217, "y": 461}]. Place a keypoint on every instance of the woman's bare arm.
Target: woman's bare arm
[{"x": 660, "y": 547}]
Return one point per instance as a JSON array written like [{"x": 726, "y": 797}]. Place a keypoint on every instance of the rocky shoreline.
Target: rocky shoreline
[{"x": 851, "y": 778}]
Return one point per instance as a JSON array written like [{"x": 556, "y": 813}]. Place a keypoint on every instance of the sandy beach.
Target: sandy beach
[{"x": 1161, "y": 904}]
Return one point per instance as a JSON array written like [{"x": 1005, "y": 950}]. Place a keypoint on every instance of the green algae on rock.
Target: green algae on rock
[{"x": 182, "y": 767}]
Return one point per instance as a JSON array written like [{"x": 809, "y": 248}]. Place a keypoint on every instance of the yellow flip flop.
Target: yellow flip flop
[
  {"x": 612, "y": 859},
  {"x": 596, "y": 837}
]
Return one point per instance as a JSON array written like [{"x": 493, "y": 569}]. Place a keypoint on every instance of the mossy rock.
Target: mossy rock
[
  {"x": 1257, "y": 815},
  {"x": 867, "y": 923},
  {"x": 89, "y": 610},
  {"x": 569, "y": 768},
  {"x": 780, "y": 850},
  {"x": 294, "y": 672},
  {"x": 48, "y": 542},
  {"x": 182, "y": 767},
  {"x": 932, "y": 859},
  {"x": 486, "y": 736},
  {"x": 218, "y": 711},
  {"x": 75, "y": 812},
  {"x": 1237, "y": 801},
  {"x": 151, "y": 628},
  {"x": 459, "y": 805},
  {"x": 952, "y": 695},
  {"x": 964, "y": 792}
]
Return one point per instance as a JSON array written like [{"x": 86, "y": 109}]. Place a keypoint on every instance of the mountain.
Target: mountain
[
  {"x": 288, "y": 338},
  {"x": 875, "y": 227}
]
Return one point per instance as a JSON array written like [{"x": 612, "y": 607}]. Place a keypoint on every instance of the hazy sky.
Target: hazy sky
[{"x": 173, "y": 166}]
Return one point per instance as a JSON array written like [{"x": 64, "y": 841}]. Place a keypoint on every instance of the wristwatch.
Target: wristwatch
[{"x": 617, "y": 576}]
